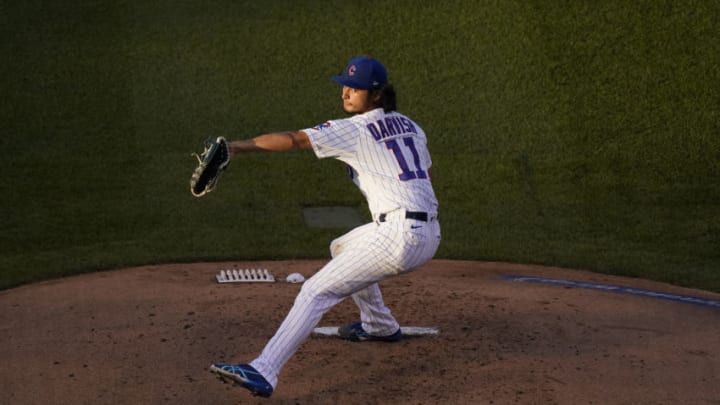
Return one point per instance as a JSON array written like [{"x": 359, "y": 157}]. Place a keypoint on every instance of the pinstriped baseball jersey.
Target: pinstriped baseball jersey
[{"x": 387, "y": 155}]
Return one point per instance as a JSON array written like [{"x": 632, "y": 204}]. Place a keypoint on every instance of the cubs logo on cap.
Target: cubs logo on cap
[{"x": 363, "y": 73}]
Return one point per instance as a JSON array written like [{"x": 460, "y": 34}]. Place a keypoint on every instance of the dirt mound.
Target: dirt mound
[{"x": 147, "y": 335}]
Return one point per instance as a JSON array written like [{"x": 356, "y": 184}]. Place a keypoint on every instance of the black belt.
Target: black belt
[{"x": 420, "y": 216}]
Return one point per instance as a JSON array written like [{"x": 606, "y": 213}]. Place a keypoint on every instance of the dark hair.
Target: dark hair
[{"x": 385, "y": 97}]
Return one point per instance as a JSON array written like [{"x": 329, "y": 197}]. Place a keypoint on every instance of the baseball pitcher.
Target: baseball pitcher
[{"x": 389, "y": 162}]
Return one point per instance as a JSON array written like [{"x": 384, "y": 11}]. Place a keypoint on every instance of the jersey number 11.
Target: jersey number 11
[{"x": 407, "y": 172}]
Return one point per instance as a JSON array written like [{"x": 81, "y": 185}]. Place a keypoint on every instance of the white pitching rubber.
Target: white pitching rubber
[{"x": 406, "y": 331}]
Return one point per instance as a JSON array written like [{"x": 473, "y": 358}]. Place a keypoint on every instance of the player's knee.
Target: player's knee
[{"x": 312, "y": 289}]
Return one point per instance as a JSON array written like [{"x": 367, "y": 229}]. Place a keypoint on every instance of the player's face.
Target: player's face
[{"x": 355, "y": 101}]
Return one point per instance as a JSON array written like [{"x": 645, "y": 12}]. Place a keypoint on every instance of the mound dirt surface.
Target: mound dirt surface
[{"x": 147, "y": 335}]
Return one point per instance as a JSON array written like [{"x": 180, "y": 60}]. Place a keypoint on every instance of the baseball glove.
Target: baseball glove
[{"x": 211, "y": 165}]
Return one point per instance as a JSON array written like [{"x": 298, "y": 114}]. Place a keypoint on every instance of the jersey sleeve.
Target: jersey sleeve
[{"x": 333, "y": 139}]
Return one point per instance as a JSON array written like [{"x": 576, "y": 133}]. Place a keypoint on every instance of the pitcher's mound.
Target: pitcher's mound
[{"x": 146, "y": 335}]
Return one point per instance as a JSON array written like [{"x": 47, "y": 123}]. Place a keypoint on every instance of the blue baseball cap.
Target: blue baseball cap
[{"x": 364, "y": 73}]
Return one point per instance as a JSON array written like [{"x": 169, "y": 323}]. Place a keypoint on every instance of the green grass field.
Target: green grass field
[{"x": 576, "y": 134}]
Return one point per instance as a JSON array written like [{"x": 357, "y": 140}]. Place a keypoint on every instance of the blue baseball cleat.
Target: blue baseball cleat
[
  {"x": 244, "y": 375},
  {"x": 356, "y": 333}
]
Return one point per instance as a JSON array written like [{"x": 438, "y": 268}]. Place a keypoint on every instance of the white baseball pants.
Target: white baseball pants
[{"x": 361, "y": 258}]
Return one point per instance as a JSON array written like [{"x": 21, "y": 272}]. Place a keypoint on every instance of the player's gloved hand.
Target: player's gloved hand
[{"x": 212, "y": 162}]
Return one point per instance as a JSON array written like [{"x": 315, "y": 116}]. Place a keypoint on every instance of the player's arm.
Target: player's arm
[{"x": 273, "y": 142}]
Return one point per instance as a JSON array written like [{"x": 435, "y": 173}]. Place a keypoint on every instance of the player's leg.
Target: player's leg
[
  {"x": 419, "y": 245},
  {"x": 345, "y": 274},
  {"x": 376, "y": 318},
  {"x": 375, "y": 254}
]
